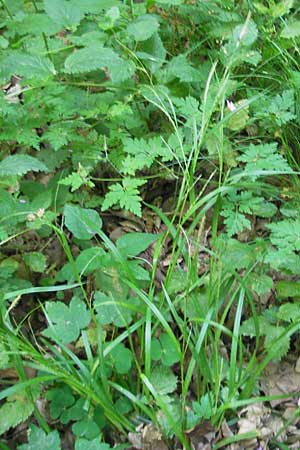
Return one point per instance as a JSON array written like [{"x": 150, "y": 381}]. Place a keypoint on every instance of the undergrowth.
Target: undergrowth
[{"x": 149, "y": 218}]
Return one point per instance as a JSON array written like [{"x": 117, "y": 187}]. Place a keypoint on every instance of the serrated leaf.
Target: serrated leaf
[
  {"x": 21, "y": 164},
  {"x": 260, "y": 283},
  {"x": 289, "y": 312},
  {"x": 36, "y": 261},
  {"x": 28, "y": 66},
  {"x": 14, "y": 413},
  {"x": 264, "y": 158},
  {"x": 83, "y": 223},
  {"x": 97, "y": 57},
  {"x": 163, "y": 380},
  {"x": 143, "y": 27},
  {"x": 95, "y": 6},
  {"x": 131, "y": 244},
  {"x": 126, "y": 195},
  {"x": 277, "y": 341},
  {"x": 37, "y": 438},
  {"x": 66, "y": 322},
  {"x": 63, "y": 12}
]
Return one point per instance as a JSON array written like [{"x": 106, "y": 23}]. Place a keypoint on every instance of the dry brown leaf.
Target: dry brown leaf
[
  {"x": 147, "y": 438},
  {"x": 280, "y": 378}
]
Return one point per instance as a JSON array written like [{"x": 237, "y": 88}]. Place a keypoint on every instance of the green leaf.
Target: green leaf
[
  {"x": 260, "y": 283},
  {"x": 170, "y": 354},
  {"x": 37, "y": 438},
  {"x": 289, "y": 312},
  {"x": 60, "y": 398},
  {"x": 63, "y": 12},
  {"x": 96, "y": 57},
  {"x": 75, "y": 412},
  {"x": 95, "y": 6},
  {"x": 36, "y": 261},
  {"x": 17, "y": 409},
  {"x": 287, "y": 289},
  {"x": 83, "y": 223},
  {"x": 28, "y": 66},
  {"x": 126, "y": 195},
  {"x": 143, "y": 27},
  {"x": 121, "y": 358},
  {"x": 111, "y": 310},
  {"x": 84, "y": 444},
  {"x": 132, "y": 244},
  {"x": 86, "y": 428},
  {"x": 4, "y": 356},
  {"x": 291, "y": 30},
  {"x": 66, "y": 322},
  {"x": 20, "y": 164},
  {"x": 163, "y": 380},
  {"x": 264, "y": 158}
]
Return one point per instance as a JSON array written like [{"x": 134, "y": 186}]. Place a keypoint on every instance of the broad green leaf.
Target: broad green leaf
[
  {"x": 28, "y": 66},
  {"x": 37, "y": 438},
  {"x": 75, "y": 412},
  {"x": 61, "y": 399},
  {"x": 36, "y": 261},
  {"x": 97, "y": 57},
  {"x": 14, "y": 413},
  {"x": 85, "y": 444},
  {"x": 66, "y": 322},
  {"x": 143, "y": 27},
  {"x": 170, "y": 354},
  {"x": 111, "y": 310},
  {"x": 131, "y": 244},
  {"x": 245, "y": 34},
  {"x": 259, "y": 283},
  {"x": 289, "y": 312},
  {"x": 163, "y": 380},
  {"x": 121, "y": 358},
  {"x": 94, "y": 6},
  {"x": 83, "y": 223},
  {"x": 86, "y": 429},
  {"x": 285, "y": 288},
  {"x": 170, "y": 2},
  {"x": 153, "y": 52},
  {"x": 21, "y": 164},
  {"x": 291, "y": 30},
  {"x": 63, "y": 12}
]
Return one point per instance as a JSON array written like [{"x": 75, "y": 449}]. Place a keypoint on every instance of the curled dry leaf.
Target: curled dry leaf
[{"x": 147, "y": 438}]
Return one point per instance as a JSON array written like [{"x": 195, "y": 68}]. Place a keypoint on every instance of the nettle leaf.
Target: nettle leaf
[
  {"x": 17, "y": 409},
  {"x": 264, "y": 158},
  {"x": 37, "y": 438},
  {"x": 126, "y": 195},
  {"x": 289, "y": 312},
  {"x": 85, "y": 444},
  {"x": 63, "y": 12},
  {"x": 83, "y": 223},
  {"x": 27, "y": 65},
  {"x": 277, "y": 341},
  {"x": 36, "y": 261},
  {"x": 248, "y": 326},
  {"x": 21, "y": 164},
  {"x": 143, "y": 27},
  {"x": 97, "y": 57},
  {"x": 66, "y": 322},
  {"x": 132, "y": 244}
]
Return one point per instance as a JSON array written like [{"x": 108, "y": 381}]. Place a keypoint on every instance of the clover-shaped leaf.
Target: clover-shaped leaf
[{"x": 66, "y": 322}]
